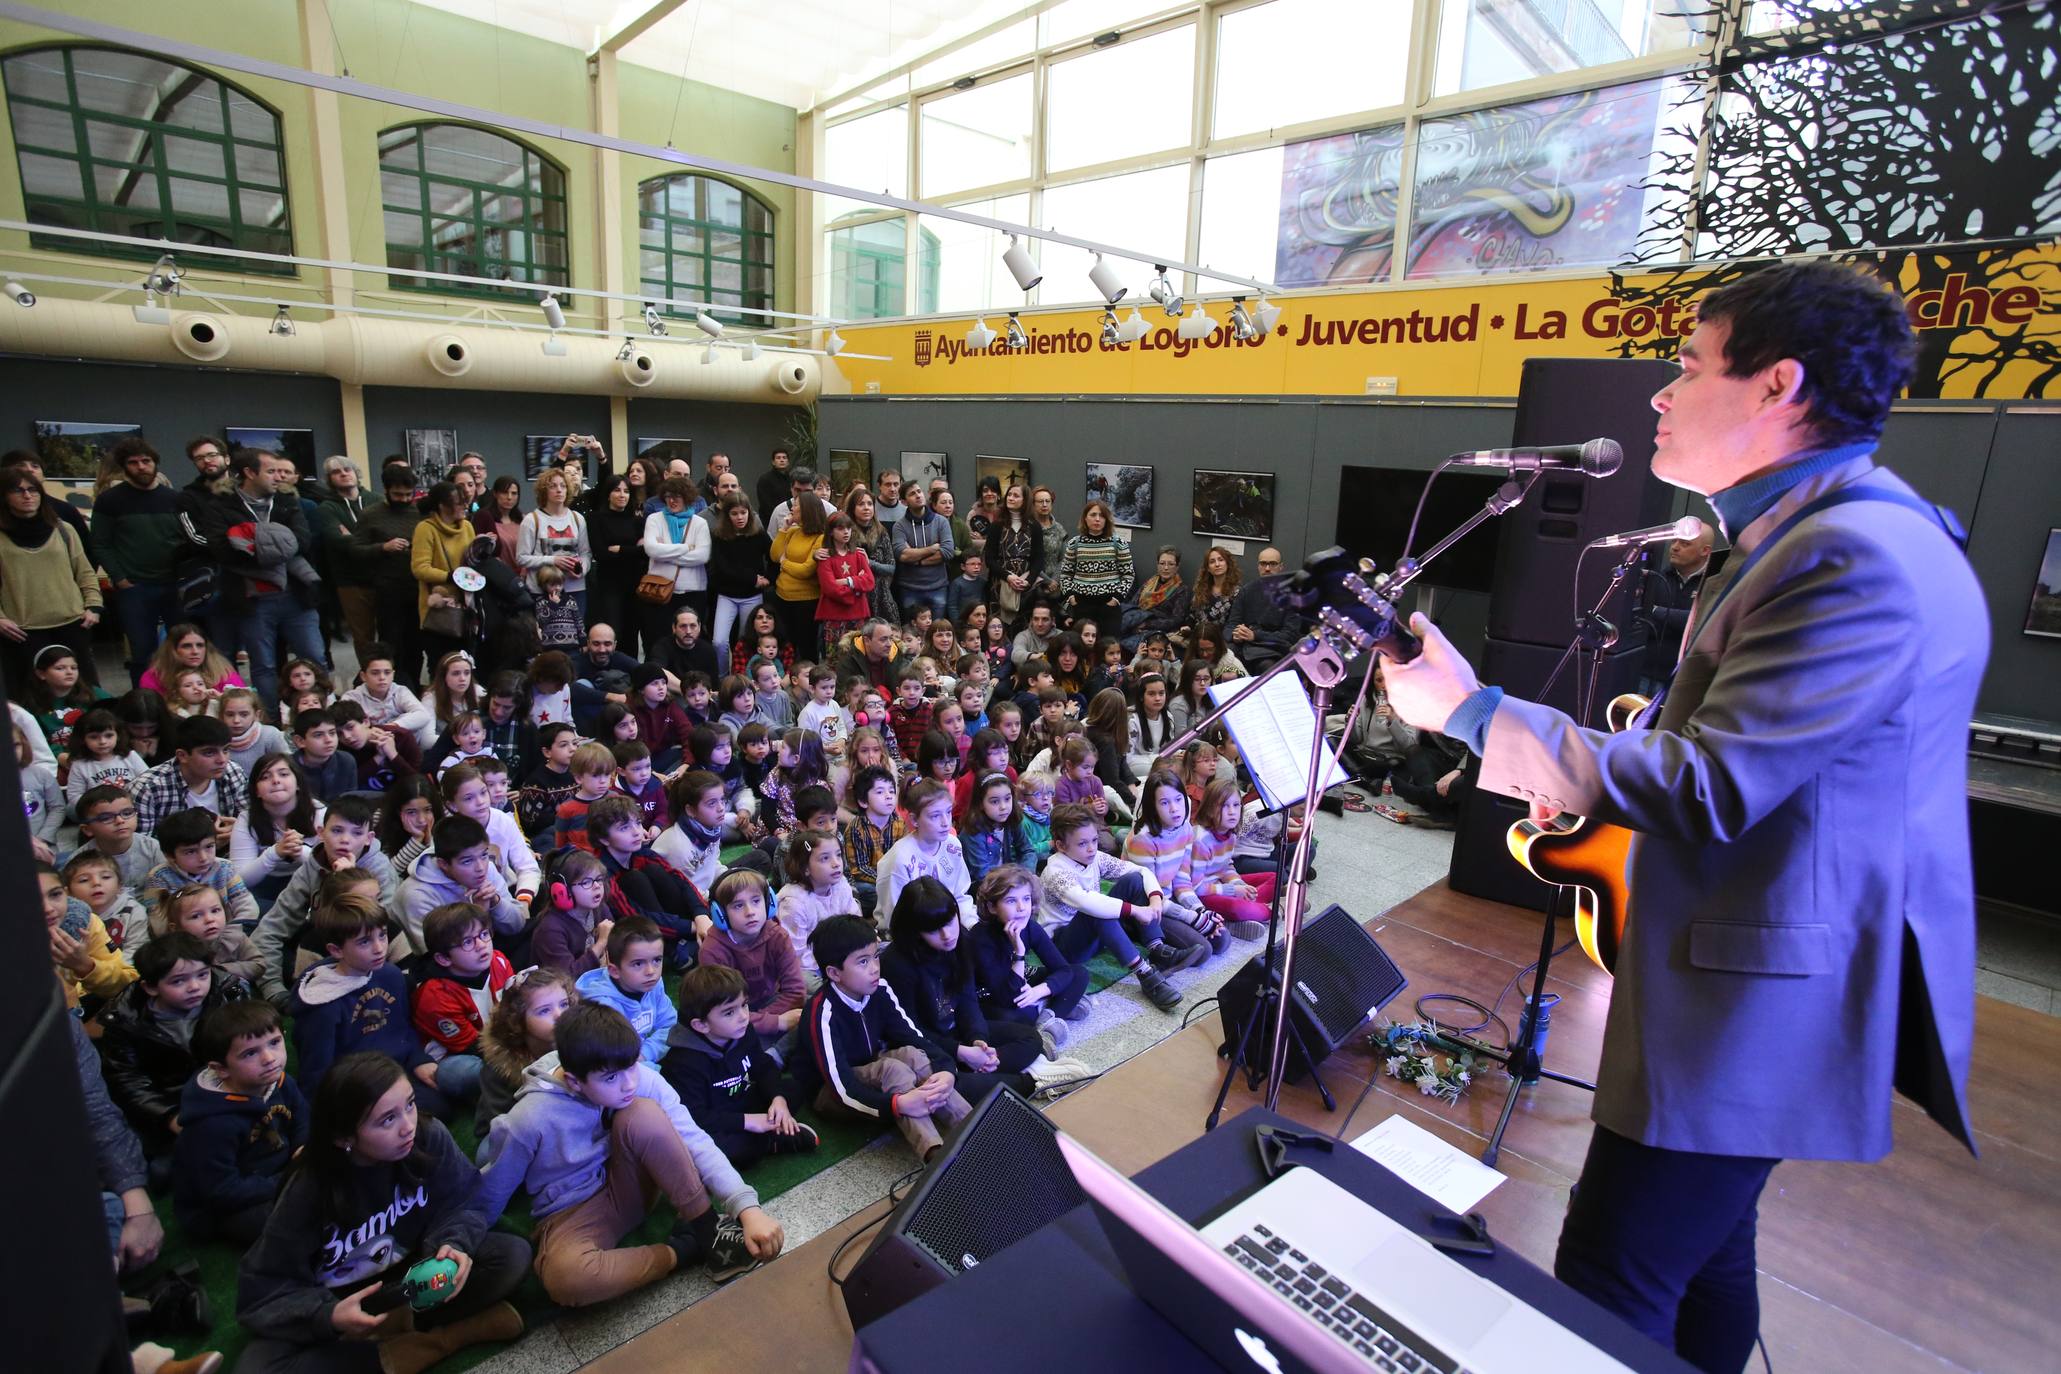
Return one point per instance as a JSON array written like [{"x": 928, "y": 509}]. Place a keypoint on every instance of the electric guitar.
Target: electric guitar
[{"x": 1588, "y": 856}]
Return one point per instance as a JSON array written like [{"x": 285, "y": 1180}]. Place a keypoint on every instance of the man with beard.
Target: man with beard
[{"x": 686, "y": 652}]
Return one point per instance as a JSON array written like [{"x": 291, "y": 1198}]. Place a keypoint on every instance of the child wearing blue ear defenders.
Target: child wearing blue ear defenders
[{"x": 748, "y": 939}]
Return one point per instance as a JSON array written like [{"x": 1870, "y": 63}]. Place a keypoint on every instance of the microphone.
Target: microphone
[
  {"x": 1688, "y": 527},
  {"x": 1597, "y": 458}
]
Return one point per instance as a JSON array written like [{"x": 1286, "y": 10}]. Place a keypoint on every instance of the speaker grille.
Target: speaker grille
[
  {"x": 1341, "y": 975},
  {"x": 999, "y": 1183}
]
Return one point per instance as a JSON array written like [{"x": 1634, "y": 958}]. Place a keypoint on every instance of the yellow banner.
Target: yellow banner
[{"x": 1988, "y": 320}]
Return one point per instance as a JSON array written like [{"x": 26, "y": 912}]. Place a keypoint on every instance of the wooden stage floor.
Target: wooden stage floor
[{"x": 1930, "y": 1260}]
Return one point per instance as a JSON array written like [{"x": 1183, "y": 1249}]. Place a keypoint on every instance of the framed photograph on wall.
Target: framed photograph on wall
[
  {"x": 1003, "y": 470},
  {"x": 2043, "y": 618},
  {"x": 297, "y": 444},
  {"x": 1233, "y": 505},
  {"x": 538, "y": 452},
  {"x": 432, "y": 453},
  {"x": 71, "y": 450},
  {"x": 663, "y": 451},
  {"x": 1127, "y": 487},
  {"x": 849, "y": 467},
  {"x": 925, "y": 467}
]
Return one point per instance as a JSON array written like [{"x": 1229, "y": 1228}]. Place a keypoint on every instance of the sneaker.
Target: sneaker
[
  {"x": 1164, "y": 995},
  {"x": 1050, "y": 1073},
  {"x": 728, "y": 1255},
  {"x": 1246, "y": 930},
  {"x": 1191, "y": 955},
  {"x": 1164, "y": 956}
]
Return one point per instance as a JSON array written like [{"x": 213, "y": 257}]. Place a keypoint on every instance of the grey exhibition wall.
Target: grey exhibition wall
[{"x": 490, "y": 423}]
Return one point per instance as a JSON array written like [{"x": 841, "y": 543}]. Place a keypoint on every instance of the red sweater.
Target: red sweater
[{"x": 839, "y": 601}]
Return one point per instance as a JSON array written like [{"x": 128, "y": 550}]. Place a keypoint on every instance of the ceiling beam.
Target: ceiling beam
[{"x": 623, "y": 30}]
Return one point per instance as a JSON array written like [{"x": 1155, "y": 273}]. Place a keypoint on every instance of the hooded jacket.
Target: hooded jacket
[
  {"x": 450, "y": 1012},
  {"x": 276, "y": 936},
  {"x": 556, "y": 1145},
  {"x": 317, "y": 1249},
  {"x": 428, "y": 887},
  {"x": 719, "y": 1084},
  {"x": 773, "y": 980},
  {"x": 260, "y": 557},
  {"x": 233, "y": 1148},
  {"x": 652, "y": 1016},
  {"x": 146, "y": 1065},
  {"x": 337, "y": 1013}
]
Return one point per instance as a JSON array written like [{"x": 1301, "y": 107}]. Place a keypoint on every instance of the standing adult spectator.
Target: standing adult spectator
[
  {"x": 136, "y": 527},
  {"x": 945, "y": 506},
  {"x": 773, "y": 487},
  {"x": 59, "y": 507},
  {"x": 268, "y": 587},
  {"x": 796, "y": 551},
  {"x": 1160, "y": 605},
  {"x": 888, "y": 505},
  {"x": 1665, "y": 596},
  {"x": 382, "y": 542},
  {"x": 473, "y": 468},
  {"x": 555, "y": 535},
  {"x": 336, "y": 531},
  {"x": 804, "y": 489},
  {"x": 210, "y": 459},
  {"x": 923, "y": 554},
  {"x": 1215, "y": 594},
  {"x": 1095, "y": 571},
  {"x": 1015, "y": 554},
  {"x": 438, "y": 548},
  {"x": 987, "y": 509},
  {"x": 718, "y": 464},
  {"x": 739, "y": 567},
  {"x": 878, "y": 540},
  {"x": 645, "y": 475},
  {"x": 49, "y": 593},
  {"x": 616, "y": 526},
  {"x": 1052, "y": 533},
  {"x": 1261, "y": 632},
  {"x": 501, "y": 516},
  {"x": 678, "y": 543}
]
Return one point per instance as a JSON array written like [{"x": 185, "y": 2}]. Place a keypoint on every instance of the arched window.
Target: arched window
[
  {"x": 700, "y": 239},
  {"x": 125, "y": 143},
  {"x": 467, "y": 200}
]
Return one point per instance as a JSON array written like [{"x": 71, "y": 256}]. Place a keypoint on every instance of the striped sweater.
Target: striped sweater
[
  {"x": 1209, "y": 861},
  {"x": 1167, "y": 856},
  {"x": 1096, "y": 567}
]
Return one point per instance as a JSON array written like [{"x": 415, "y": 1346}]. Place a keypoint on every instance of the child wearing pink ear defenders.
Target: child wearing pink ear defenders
[{"x": 571, "y": 933}]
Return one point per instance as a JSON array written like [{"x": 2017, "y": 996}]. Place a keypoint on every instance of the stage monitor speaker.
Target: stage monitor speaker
[
  {"x": 999, "y": 1178},
  {"x": 1482, "y": 865},
  {"x": 1570, "y": 401},
  {"x": 1342, "y": 977}
]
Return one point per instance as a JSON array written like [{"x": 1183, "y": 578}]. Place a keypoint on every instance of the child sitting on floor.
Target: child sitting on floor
[
  {"x": 761, "y": 951},
  {"x": 355, "y": 1000},
  {"x": 571, "y": 932},
  {"x": 693, "y": 843},
  {"x": 240, "y": 1121},
  {"x": 631, "y": 980},
  {"x": 94, "y": 879},
  {"x": 725, "y": 1073},
  {"x": 1001, "y": 946},
  {"x": 521, "y": 1031},
  {"x": 816, "y": 889},
  {"x": 458, "y": 982},
  {"x": 198, "y": 911},
  {"x": 146, "y": 1034},
  {"x": 188, "y": 839}
]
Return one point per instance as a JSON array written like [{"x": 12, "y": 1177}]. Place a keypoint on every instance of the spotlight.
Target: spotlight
[
  {"x": 654, "y": 323},
  {"x": 1169, "y": 299},
  {"x": 1016, "y": 337},
  {"x": 711, "y": 327},
  {"x": 708, "y": 355},
  {"x": 980, "y": 337},
  {"x": 834, "y": 345},
  {"x": 1266, "y": 316},
  {"x": 1133, "y": 328},
  {"x": 1198, "y": 325},
  {"x": 622, "y": 355},
  {"x": 282, "y": 323},
  {"x": 164, "y": 277},
  {"x": 1109, "y": 329},
  {"x": 1242, "y": 327},
  {"x": 553, "y": 315},
  {"x": 22, "y": 296},
  {"x": 1020, "y": 265},
  {"x": 1106, "y": 281}
]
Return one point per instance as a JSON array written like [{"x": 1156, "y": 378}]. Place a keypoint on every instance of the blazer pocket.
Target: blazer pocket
[{"x": 1747, "y": 947}]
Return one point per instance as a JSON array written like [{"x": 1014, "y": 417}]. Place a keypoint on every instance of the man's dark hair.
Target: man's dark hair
[
  {"x": 1844, "y": 325},
  {"x": 215, "y": 1037},
  {"x": 197, "y": 440},
  {"x": 201, "y": 732},
  {"x": 181, "y": 828},
  {"x": 161, "y": 954},
  {"x": 593, "y": 1037},
  {"x": 456, "y": 834},
  {"x": 244, "y": 461},
  {"x": 838, "y": 938},
  {"x": 131, "y": 447}
]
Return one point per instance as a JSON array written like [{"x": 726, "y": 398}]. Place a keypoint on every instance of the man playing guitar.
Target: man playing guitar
[{"x": 1801, "y": 942}]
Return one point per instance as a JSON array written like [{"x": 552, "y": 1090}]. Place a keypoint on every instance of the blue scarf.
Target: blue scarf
[{"x": 676, "y": 525}]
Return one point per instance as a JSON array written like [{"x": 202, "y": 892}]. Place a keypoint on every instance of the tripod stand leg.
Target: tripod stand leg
[
  {"x": 1495, "y": 1142},
  {"x": 1237, "y": 1059}
]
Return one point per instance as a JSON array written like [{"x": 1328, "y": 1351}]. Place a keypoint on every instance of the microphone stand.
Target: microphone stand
[{"x": 1594, "y": 636}]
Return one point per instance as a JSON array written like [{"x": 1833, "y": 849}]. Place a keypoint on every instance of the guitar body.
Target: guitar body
[{"x": 1588, "y": 856}]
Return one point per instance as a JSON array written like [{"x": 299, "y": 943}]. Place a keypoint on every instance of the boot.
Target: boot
[
  {"x": 1164, "y": 995},
  {"x": 414, "y": 1351}
]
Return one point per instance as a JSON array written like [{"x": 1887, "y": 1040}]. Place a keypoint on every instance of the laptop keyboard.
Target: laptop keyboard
[{"x": 1336, "y": 1306}]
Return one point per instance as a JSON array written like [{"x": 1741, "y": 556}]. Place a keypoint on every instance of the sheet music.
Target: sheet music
[{"x": 1273, "y": 728}]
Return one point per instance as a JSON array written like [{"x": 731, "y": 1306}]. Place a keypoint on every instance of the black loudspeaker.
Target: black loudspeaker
[
  {"x": 1570, "y": 401},
  {"x": 999, "y": 1178},
  {"x": 1342, "y": 977}
]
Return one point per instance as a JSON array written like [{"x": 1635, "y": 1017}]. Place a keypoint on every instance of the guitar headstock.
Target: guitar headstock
[{"x": 1335, "y": 588}]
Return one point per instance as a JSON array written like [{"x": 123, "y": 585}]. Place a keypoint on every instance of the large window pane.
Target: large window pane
[
  {"x": 983, "y": 54},
  {"x": 1337, "y": 207},
  {"x": 1119, "y": 102},
  {"x": 1242, "y": 212},
  {"x": 1073, "y": 19},
  {"x": 1488, "y": 42},
  {"x": 1147, "y": 210},
  {"x": 707, "y": 230},
  {"x": 978, "y": 137},
  {"x": 491, "y": 207},
  {"x": 1543, "y": 185},
  {"x": 1345, "y": 56},
  {"x": 966, "y": 260},
  {"x": 870, "y": 153}
]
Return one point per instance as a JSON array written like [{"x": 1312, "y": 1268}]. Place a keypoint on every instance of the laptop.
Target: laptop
[{"x": 1304, "y": 1278}]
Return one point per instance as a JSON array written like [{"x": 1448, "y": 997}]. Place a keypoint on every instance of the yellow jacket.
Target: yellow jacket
[
  {"x": 111, "y": 973},
  {"x": 795, "y": 552},
  {"x": 435, "y": 551}
]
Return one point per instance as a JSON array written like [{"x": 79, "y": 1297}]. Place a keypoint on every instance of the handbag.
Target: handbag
[
  {"x": 444, "y": 617},
  {"x": 656, "y": 588}
]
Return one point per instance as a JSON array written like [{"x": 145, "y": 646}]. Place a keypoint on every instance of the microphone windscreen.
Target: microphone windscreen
[
  {"x": 1601, "y": 457},
  {"x": 1689, "y": 527}
]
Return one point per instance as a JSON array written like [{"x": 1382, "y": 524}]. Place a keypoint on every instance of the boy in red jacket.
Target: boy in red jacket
[{"x": 460, "y": 983}]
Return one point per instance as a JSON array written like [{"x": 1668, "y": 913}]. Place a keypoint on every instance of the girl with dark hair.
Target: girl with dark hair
[
  {"x": 408, "y": 812},
  {"x": 1108, "y": 727},
  {"x": 844, "y": 581},
  {"x": 616, "y": 526},
  {"x": 738, "y": 569},
  {"x": 375, "y": 1191},
  {"x": 149, "y": 723},
  {"x": 267, "y": 841},
  {"x": 500, "y": 515},
  {"x": 797, "y": 549}
]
